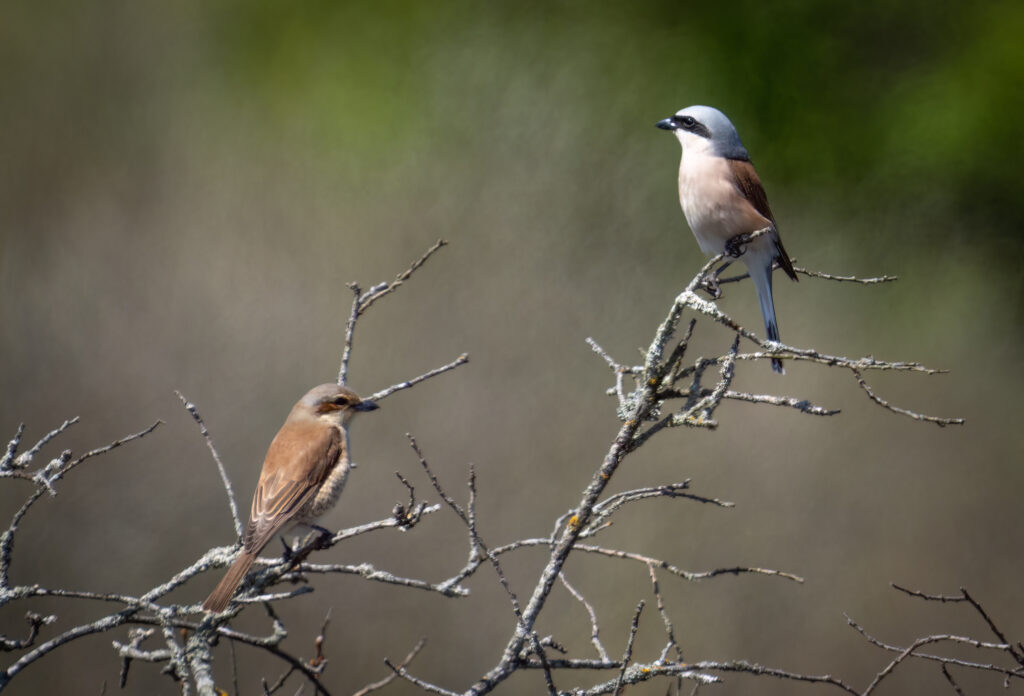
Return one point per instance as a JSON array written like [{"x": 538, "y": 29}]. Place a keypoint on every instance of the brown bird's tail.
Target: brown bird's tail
[{"x": 221, "y": 595}]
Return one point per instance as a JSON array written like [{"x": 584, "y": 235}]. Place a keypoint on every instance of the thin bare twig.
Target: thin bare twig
[
  {"x": 949, "y": 678},
  {"x": 941, "y": 422},
  {"x": 194, "y": 412},
  {"x": 672, "y": 643},
  {"x": 12, "y": 447},
  {"x": 929, "y": 597},
  {"x": 24, "y": 460},
  {"x": 370, "y": 688},
  {"x": 426, "y": 686},
  {"x": 384, "y": 393},
  {"x": 594, "y": 629},
  {"x": 627, "y": 655},
  {"x": 363, "y": 301},
  {"x": 644, "y": 409},
  {"x": 992, "y": 626},
  {"x": 912, "y": 651},
  {"x": 818, "y": 274}
]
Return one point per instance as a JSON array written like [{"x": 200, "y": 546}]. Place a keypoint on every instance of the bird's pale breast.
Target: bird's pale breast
[{"x": 714, "y": 207}]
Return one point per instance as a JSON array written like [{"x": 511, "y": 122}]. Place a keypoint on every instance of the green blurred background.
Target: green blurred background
[{"x": 187, "y": 187}]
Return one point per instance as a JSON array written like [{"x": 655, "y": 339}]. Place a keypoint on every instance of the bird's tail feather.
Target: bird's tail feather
[
  {"x": 760, "y": 270},
  {"x": 225, "y": 590}
]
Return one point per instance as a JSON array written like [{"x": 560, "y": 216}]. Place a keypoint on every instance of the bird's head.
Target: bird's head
[
  {"x": 335, "y": 403},
  {"x": 705, "y": 129}
]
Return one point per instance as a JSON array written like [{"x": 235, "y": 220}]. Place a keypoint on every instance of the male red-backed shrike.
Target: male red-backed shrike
[
  {"x": 302, "y": 477},
  {"x": 722, "y": 198}
]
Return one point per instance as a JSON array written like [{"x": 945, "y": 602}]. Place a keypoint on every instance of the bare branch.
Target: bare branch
[
  {"x": 12, "y": 447},
  {"x": 929, "y": 597},
  {"x": 112, "y": 446},
  {"x": 384, "y": 393},
  {"x": 370, "y": 688},
  {"x": 846, "y": 279},
  {"x": 538, "y": 650},
  {"x": 387, "y": 288},
  {"x": 607, "y": 507},
  {"x": 35, "y": 622},
  {"x": 627, "y": 655},
  {"x": 477, "y": 545},
  {"x": 818, "y": 274},
  {"x": 368, "y": 572},
  {"x": 760, "y": 670},
  {"x": 194, "y": 412},
  {"x": 992, "y": 626},
  {"x": 672, "y": 643},
  {"x": 426, "y": 686},
  {"x": 941, "y": 422},
  {"x": 24, "y": 460},
  {"x": 594, "y": 630},
  {"x": 802, "y": 405},
  {"x": 651, "y": 398},
  {"x": 912, "y": 651},
  {"x": 361, "y": 302},
  {"x": 45, "y": 477},
  {"x": 949, "y": 678}
]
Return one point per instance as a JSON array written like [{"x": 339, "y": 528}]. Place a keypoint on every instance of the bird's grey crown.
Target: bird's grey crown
[
  {"x": 725, "y": 141},
  {"x": 326, "y": 392}
]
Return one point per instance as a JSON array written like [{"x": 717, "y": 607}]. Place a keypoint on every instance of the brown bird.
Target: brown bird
[{"x": 303, "y": 474}]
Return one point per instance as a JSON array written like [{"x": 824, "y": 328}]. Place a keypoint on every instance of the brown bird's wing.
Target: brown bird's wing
[
  {"x": 297, "y": 462},
  {"x": 750, "y": 186}
]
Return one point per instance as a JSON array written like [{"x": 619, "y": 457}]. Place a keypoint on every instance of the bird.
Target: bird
[
  {"x": 302, "y": 476},
  {"x": 722, "y": 199}
]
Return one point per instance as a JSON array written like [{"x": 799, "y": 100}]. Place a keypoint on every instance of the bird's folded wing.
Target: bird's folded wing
[
  {"x": 750, "y": 186},
  {"x": 298, "y": 461}
]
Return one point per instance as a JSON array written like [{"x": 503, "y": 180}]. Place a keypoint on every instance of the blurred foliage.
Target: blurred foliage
[{"x": 874, "y": 103}]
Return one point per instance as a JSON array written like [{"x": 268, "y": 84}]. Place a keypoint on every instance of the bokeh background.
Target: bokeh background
[{"x": 187, "y": 187}]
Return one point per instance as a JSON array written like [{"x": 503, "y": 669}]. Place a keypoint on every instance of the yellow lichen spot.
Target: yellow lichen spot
[
  {"x": 652, "y": 382},
  {"x": 574, "y": 521}
]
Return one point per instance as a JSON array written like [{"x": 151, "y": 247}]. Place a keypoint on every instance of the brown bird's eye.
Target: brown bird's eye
[{"x": 341, "y": 401}]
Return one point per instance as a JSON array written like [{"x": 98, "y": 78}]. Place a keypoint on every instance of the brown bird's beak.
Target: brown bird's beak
[{"x": 365, "y": 406}]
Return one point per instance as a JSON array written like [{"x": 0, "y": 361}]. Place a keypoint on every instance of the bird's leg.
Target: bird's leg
[
  {"x": 735, "y": 246},
  {"x": 709, "y": 283},
  {"x": 322, "y": 541},
  {"x": 288, "y": 552},
  {"x": 325, "y": 535}
]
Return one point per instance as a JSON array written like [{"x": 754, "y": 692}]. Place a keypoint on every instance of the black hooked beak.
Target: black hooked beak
[
  {"x": 667, "y": 124},
  {"x": 365, "y": 406}
]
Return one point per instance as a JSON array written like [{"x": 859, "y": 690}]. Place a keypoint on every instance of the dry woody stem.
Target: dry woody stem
[{"x": 666, "y": 390}]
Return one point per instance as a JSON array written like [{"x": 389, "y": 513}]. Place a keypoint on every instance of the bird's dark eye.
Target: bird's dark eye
[
  {"x": 340, "y": 400},
  {"x": 686, "y": 121}
]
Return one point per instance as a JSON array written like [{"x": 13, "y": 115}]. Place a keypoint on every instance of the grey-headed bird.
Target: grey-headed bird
[
  {"x": 722, "y": 198},
  {"x": 302, "y": 476}
]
